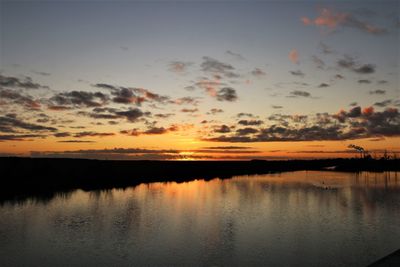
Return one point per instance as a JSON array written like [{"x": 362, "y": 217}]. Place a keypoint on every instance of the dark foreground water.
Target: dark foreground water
[{"x": 289, "y": 219}]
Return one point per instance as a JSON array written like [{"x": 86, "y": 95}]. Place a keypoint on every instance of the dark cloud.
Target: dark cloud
[
  {"x": 214, "y": 66},
  {"x": 354, "y": 22},
  {"x": 227, "y": 147},
  {"x": 352, "y": 104},
  {"x": 322, "y": 85},
  {"x": 179, "y": 66},
  {"x": 222, "y": 129},
  {"x": 76, "y": 141},
  {"x": 235, "y": 55},
  {"x": 319, "y": 63},
  {"x": 92, "y": 134},
  {"x": 364, "y": 81},
  {"x": 62, "y": 134},
  {"x": 187, "y": 100},
  {"x": 24, "y": 100},
  {"x": 163, "y": 116},
  {"x": 382, "y": 82},
  {"x": 297, "y": 93},
  {"x": 276, "y": 107},
  {"x": 13, "y": 82},
  {"x": 384, "y": 103},
  {"x": 214, "y": 111},
  {"x": 258, "y": 72},
  {"x": 227, "y": 94},
  {"x": 354, "y": 124},
  {"x": 365, "y": 69},
  {"x": 41, "y": 73},
  {"x": 187, "y": 110},
  {"x": 242, "y": 114},
  {"x": 338, "y": 76},
  {"x": 19, "y": 137},
  {"x": 250, "y": 122},
  {"x": 78, "y": 99},
  {"x": 377, "y": 92},
  {"x": 11, "y": 124},
  {"x": 325, "y": 49},
  {"x": 150, "y": 131},
  {"x": 246, "y": 131},
  {"x": 348, "y": 62},
  {"x": 132, "y": 115},
  {"x": 297, "y": 73}
]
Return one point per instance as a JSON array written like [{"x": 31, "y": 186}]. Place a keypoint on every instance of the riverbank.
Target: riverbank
[{"x": 22, "y": 177}]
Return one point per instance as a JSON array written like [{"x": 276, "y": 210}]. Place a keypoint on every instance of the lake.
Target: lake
[{"x": 304, "y": 218}]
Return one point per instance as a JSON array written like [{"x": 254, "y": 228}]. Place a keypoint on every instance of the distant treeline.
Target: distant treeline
[{"x": 24, "y": 177}]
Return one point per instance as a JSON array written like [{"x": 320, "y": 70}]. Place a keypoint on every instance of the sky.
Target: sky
[{"x": 199, "y": 80}]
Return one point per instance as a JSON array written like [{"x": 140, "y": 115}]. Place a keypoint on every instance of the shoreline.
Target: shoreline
[{"x": 26, "y": 177}]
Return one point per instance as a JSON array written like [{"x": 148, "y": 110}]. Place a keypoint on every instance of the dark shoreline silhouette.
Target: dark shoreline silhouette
[{"x": 22, "y": 178}]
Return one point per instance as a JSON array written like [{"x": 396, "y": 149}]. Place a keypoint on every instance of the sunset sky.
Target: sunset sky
[{"x": 199, "y": 80}]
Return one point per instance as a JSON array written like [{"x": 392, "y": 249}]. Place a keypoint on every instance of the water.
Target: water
[{"x": 288, "y": 219}]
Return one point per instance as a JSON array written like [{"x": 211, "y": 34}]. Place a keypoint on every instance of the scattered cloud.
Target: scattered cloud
[
  {"x": 235, "y": 55},
  {"x": 179, "y": 66},
  {"x": 14, "y": 82},
  {"x": 298, "y": 93},
  {"x": 214, "y": 66},
  {"x": 227, "y": 94},
  {"x": 377, "y": 92},
  {"x": 297, "y": 73},
  {"x": 258, "y": 72},
  {"x": 294, "y": 56},
  {"x": 11, "y": 124},
  {"x": 330, "y": 19}
]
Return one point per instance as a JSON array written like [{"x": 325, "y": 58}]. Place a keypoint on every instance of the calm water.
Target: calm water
[{"x": 289, "y": 219}]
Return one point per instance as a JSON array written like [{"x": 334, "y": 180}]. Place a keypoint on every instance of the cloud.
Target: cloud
[
  {"x": 163, "y": 116},
  {"x": 297, "y": 73},
  {"x": 132, "y": 115},
  {"x": 294, "y": 56},
  {"x": 242, "y": 114},
  {"x": 384, "y": 103},
  {"x": 214, "y": 66},
  {"x": 76, "y": 141},
  {"x": 187, "y": 110},
  {"x": 339, "y": 77},
  {"x": 298, "y": 93},
  {"x": 227, "y": 94},
  {"x": 16, "y": 98},
  {"x": 365, "y": 69},
  {"x": 276, "y": 107},
  {"x": 92, "y": 134},
  {"x": 62, "y": 134},
  {"x": 325, "y": 49},
  {"x": 187, "y": 100},
  {"x": 377, "y": 92},
  {"x": 115, "y": 154},
  {"x": 330, "y": 19},
  {"x": 227, "y": 147},
  {"x": 235, "y": 55},
  {"x": 319, "y": 63},
  {"x": 322, "y": 85},
  {"x": 246, "y": 131},
  {"x": 250, "y": 122},
  {"x": 19, "y": 137},
  {"x": 364, "y": 81},
  {"x": 13, "y": 82},
  {"x": 10, "y": 124},
  {"x": 214, "y": 111},
  {"x": 382, "y": 82},
  {"x": 151, "y": 131},
  {"x": 344, "y": 125},
  {"x": 222, "y": 129},
  {"x": 78, "y": 99},
  {"x": 258, "y": 72},
  {"x": 349, "y": 62},
  {"x": 179, "y": 66}
]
